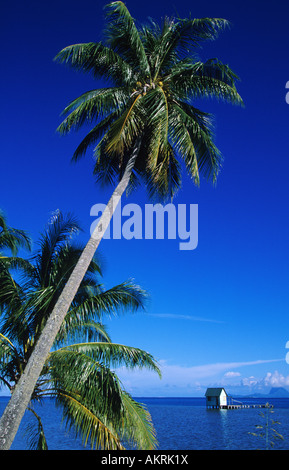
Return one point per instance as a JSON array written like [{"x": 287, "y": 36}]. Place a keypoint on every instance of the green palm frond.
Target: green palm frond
[
  {"x": 187, "y": 34},
  {"x": 10, "y": 362},
  {"x": 10, "y": 290},
  {"x": 177, "y": 38},
  {"x": 93, "y": 301},
  {"x": 14, "y": 239},
  {"x": 105, "y": 414},
  {"x": 92, "y": 138},
  {"x": 14, "y": 262},
  {"x": 192, "y": 134},
  {"x": 165, "y": 179},
  {"x": 126, "y": 295},
  {"x": 75, "y": 327},
  {"x": 11, "y": 238},
  {"x": 75, "y": 369},
  {"x": 125, "y": 129},
  {"x": 112, "y": 355},
  {"x": 35, "y": 433},
  {"x": 8, "y": 352},
  {"x": 24, "y": 316},
  {"x": 201, "y": 80},
  {"x": 58, "y": 232},
  {"x": 97, "y": 59},
  {"x": 159, "y": 76},
  {"x": 87, "y": 425},
  {"x": 157, "y": 110},
  {"x": 123, "y": 37},
  {"x": 138, "y": 430},
  {"x": 92, "y": 105}
]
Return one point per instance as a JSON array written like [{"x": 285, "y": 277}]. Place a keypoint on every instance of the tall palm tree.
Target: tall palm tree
[
  {"x": 145, "y": 123},
  {"x": 77, "y": 374}
]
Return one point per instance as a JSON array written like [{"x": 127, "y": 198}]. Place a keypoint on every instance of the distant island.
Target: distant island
[{"x": 275, "y": 392}]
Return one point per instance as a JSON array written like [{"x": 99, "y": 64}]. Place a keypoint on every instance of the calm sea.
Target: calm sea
[{"x": 180, "y": 423}]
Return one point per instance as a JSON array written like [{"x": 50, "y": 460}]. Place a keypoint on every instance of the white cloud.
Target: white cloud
[
  {"x": 232, "y": 374},
  {"x": 250, "y": 381},
  {"x": 275, "y": 379}
]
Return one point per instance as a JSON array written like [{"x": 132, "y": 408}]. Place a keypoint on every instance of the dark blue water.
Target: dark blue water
[{"x": 180, "y": 423}]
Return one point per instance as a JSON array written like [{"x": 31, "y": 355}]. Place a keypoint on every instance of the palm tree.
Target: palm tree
[
  {"x": 77, "y": 374},
  {"x": 144, "y": 126}
]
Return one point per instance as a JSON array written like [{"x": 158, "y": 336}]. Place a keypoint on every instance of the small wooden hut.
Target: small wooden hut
[{"x": 216, "y": 398}]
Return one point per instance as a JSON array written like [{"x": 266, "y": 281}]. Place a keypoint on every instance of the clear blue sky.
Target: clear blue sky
[{"x": 217, "y": 314}]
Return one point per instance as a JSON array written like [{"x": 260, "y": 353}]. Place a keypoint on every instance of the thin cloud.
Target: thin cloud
[
  {"x": 208, "y": 370},
  {"x": 176, "y": 316}
]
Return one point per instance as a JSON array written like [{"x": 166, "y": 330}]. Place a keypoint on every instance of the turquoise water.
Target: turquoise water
[{"x": 180, "y": 423}]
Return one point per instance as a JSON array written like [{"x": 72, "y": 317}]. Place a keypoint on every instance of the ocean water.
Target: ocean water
[{"x": 180, "y": 423}]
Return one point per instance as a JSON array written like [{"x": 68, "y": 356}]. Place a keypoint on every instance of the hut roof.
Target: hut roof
[{"x": 214, "y": 392}]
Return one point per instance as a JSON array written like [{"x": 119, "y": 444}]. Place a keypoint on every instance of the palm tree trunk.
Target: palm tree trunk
[{"x": 21, "y": 396}]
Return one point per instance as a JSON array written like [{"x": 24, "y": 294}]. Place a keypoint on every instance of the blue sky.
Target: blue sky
[{"x": 217, "y": 314}]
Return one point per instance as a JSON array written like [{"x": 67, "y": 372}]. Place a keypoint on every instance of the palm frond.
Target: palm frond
[
  {"x": 14, "y": 262},
  {"x": 10, "y": 291},
  {"x": 125, "y": 129},
  {"x": 97, "y": 59},
  {"x": 123, "y": 37},
  {"x": 138, "y": 430},
  {"x": 120, "y": 298},
  {"x": 179, "y": 38},
  {"x": 164, "y": 180},
  {"x": 93, "y": 137},
  {"x": 114, "y": 355},
  {"x": 92, "y": 105},
  {"x": 94, "y": 403},
  {"x": 12, "y": 238},
  {"x": 93, "y": 302},
  {"x": 75, "y": 328},
  {"x": 184, "y": 143},
  {"x": 157, "y": 110},
  {"x": 35, "y": 433},
  {"x": 199, "y": 80},
  {"x": 192, "y": 134},
  {"x": 94, "y": 389},
  {"x": 8, "y": 354},
  {"x": 59, "y": 231},
  {"x": 106, "y": 168},
  {"x": 88, "y": 425}
]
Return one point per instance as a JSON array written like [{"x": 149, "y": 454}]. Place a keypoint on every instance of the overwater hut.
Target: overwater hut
[{"x": 216, "y": 398}]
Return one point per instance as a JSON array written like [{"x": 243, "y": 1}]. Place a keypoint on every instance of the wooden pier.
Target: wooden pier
[{"x": 234, "y": 407}]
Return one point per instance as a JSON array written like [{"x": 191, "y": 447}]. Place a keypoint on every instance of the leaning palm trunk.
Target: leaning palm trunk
[{"x": 14, "y": 411}]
